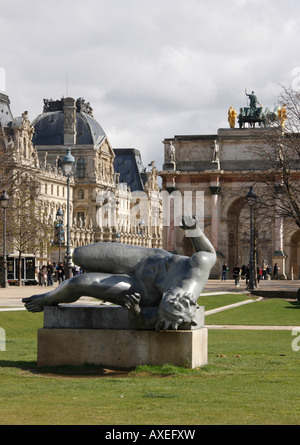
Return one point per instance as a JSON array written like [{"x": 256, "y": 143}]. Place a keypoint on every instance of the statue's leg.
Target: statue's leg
[
  {"x": 101, "y": 286},
  {"x": 112, "y": 258}
]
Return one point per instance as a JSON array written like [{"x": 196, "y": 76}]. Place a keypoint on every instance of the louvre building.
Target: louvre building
[{"x": 113, "y": 197}]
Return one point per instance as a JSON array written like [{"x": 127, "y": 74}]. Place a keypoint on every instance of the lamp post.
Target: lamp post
[
  {"x": 4, "y": 199},
  {"x": 68, "y": 168},
  {"x": 59, "y": 219},
  {"x": 141, "y": 226},
  {"x": 251, "y": 198}
]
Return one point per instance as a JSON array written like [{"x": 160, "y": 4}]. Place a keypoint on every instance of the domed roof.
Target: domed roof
[{"x": 49, "y": 126}]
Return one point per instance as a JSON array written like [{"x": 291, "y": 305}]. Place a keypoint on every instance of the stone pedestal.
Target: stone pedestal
[
  {"x": 121, "y": 348},
  {"x": 74, "y": 335}
]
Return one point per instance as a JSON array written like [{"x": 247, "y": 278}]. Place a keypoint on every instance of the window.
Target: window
[
  {"x": 80, "y": 194},
  {"x": 81, "y": 168}
]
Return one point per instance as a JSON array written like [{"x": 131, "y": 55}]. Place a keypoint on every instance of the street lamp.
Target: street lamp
[
  {"x": 141, "y": 226},
  {"x": 4, "y": 198},
  {"x": 59, "y": 219},
  {"x": 68, "y": 168},
  {"x": 251, "y": 198}
]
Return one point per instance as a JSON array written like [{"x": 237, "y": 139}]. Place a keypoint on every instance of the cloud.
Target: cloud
[{"x": 149, "y": 69}]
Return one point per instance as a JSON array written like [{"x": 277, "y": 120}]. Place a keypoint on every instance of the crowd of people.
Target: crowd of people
[
  {"x": 52, "y": 272},
  {"x": 263, "y": 272}
]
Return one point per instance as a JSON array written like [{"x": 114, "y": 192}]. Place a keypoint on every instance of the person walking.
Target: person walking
[
  {"x": 258, "y": 272},
  {"x": 224, "y": 272},
  {"x": 44, "y": 276},
  {"x": 49, "y": 274},
  {"x": 247, "y": 275},
  {"x": 236, "y": 275},
  {"x": 275, "y": 271},
  {"x": 264, "y": 270},
  {"x": 60, "y": 272}
]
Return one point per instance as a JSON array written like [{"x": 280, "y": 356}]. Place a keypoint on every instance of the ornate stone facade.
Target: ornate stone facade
[
  {"x": 102, "y": 208},
  {"x": 102, "y": 203},
  {"x": 224, "y": 183}
]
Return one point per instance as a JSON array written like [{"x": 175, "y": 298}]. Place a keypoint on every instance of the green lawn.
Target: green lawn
[
  {"x": 252, "y": 377},
  {"x": 215, "y": 301},
  {"x": 276, "y": 311}
]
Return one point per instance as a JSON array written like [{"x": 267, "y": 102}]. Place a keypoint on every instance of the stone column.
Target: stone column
[
  {"x": 69, "y": 121},
  {"x": 171, "y": 228},
  {"x": 215, "y": 190},
  {"x": 279, "y": 256}
]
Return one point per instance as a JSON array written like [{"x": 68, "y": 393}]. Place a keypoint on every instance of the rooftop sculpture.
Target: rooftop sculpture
[{"x": 254, "y": 114}]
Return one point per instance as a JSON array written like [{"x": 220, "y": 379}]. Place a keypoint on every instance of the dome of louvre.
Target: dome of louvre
[{"x": 49, "y": 126}]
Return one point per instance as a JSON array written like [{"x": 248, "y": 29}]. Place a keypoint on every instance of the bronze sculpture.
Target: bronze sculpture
[{"x": 135, "y": 277}]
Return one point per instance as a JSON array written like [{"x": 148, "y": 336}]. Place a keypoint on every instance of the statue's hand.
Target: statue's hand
[
  {"x": 191, "y": 225},
  {"x": 188, "y": 222},
  {"x": 132, "y": 302}
]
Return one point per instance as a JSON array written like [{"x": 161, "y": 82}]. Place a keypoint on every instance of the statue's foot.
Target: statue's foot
[{"x": 36, "y": 303}]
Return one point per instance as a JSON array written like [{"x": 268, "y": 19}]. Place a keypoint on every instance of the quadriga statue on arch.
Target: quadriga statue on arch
[{"x": 136, "y": 277}]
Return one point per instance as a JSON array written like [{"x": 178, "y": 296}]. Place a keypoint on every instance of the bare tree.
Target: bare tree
[
  {"x": 26, "y": 230},
  {"x": 278, "y": 148}
]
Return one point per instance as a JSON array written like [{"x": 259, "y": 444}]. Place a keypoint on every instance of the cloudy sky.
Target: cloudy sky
[{"x": 150, "y": 69}]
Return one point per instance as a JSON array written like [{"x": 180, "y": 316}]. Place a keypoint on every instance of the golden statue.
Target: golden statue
[
  {"x": 282, "y": 115},
  {"x": 232, "y": 114}
]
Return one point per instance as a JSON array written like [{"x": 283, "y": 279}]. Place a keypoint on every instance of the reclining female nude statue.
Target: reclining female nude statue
[{"x": 136, "y": 277}]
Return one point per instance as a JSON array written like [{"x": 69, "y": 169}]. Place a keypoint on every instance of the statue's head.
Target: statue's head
[{"x": 176, "y": 310}]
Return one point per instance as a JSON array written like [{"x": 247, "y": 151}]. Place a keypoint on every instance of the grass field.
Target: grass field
[
  {"x": 272, "y": 312},
  {"x": 252, "y": 378}
]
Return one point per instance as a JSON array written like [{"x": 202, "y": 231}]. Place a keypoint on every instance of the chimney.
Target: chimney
[{"x": 69, "y": 121}]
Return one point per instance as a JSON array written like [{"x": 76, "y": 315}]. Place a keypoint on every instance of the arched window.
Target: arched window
[
  {"x": 80, "y": 194},
  {"x": 81, "y": 168}
]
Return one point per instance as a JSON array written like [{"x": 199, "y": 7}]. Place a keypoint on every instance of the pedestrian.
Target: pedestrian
[
  {"x": 243, "y": 272},
  {"x": 40, "y": 277},
  {"x": 49, "y": 274},
  {"x": 224, "y": 272},
  {"x": 247, "y": 275},
  {"x": 264, "y": 270},
  {"x": 236, "y": 275},
  {"x": 60, "y": 272},
  {"x": 275, "y": 271},
  {"x": 258, "y": 274},
  {"x": 44, "y": 276}
]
